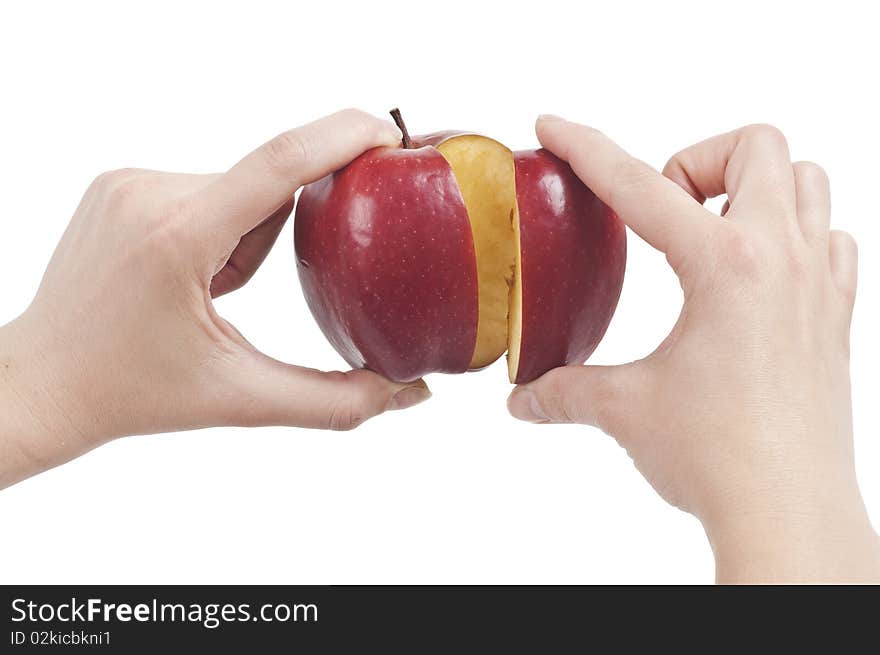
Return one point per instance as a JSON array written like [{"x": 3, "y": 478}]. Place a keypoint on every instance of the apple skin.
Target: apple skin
[
  {"x": 573, "y": 250},
  {"x": 386, "y": 260}
]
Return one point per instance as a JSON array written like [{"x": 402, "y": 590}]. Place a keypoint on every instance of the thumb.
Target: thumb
[
  {"x": 600, "y": 396},
  {"x": 284, "y": 394}
]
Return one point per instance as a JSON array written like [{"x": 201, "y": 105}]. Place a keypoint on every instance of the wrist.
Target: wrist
[
  {"x": 42, "y": 424},
  {"x": 828, "y": 541}
]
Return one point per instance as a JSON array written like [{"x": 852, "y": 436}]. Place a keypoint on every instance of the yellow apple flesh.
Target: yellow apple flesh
[{"x": 483, "y": 169}]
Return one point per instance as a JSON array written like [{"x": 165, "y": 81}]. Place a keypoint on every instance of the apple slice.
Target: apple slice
[
  {"x": 571, "y": 254},
  {"x": 484, "y": 171}
]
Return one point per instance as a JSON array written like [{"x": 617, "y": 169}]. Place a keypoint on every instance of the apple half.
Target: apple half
[{"x": 444, "y": 254}]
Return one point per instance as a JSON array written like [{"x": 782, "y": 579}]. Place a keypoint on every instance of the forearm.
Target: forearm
[{"x": 37, "y": 430}]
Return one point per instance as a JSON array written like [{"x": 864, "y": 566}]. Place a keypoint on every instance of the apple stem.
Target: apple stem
[{"x": 398, "y": 120}]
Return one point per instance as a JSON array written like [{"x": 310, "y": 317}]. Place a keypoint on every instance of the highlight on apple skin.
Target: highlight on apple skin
[{"x": 440, "y": 255}]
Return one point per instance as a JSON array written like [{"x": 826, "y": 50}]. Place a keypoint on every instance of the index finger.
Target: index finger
[
  {"x": 265, "y": 179},
  {"x": 656, "y": 208}
]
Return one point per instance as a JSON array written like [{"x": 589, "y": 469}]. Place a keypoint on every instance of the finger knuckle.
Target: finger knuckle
[
  {"x": 598, "y": 394},
  {"x": 119, "y": 174},
  {"x": 342, "y": 420},
  {"x": 810, "y": 173},
  {"x": 365, "y": 126},
  {"x": 607, "y": 398},
  {"x": 109, "y": 180},
  {"x": 102, "y": 181},
  {"x": 742, "y": 252},
  {"x": 765, "y": 134},
  {"x": 168, "y": 229},
  {"x": 630, "y": 175},
  {"x": 673, "y": 166},
  {"x": 555, "y": 395},
  {"x": 358, "y": 117},
  {"x": 354, "y": 405},
  {"x": 289, "y": 150},
  {"x": 345, "y": 417},
  {"x": 555, "y": 382},
  {"x": 845, "y": 239},
  {"x": 589, "y": 132},
  {"x": 128, "y": 191}
]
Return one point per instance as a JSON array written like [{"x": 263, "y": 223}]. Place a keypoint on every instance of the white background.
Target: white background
[{"x": 454, "y": 490}]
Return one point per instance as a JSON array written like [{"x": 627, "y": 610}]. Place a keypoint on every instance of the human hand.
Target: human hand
[
  {"x": 122, "y": 337},
  {"x": 742, "y": 416}
]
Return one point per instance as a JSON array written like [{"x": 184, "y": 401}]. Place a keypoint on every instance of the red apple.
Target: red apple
[{"x": 442, "y": 254}]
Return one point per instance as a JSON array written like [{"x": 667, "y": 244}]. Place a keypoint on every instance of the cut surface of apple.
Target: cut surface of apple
[
  {"x": 514, "y": 316},
  {"x": 483, "y": 169}
]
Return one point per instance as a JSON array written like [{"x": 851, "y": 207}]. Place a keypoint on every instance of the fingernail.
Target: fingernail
[
  {"x": 549, "y": 118},
  {"x": 409, "y": 396},
  {"x": 523, "y": 404}
]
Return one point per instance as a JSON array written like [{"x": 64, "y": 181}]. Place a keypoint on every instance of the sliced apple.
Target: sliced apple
[
  {"x": 484, "y": 171},
  {"x": 440, "y": 255}
]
